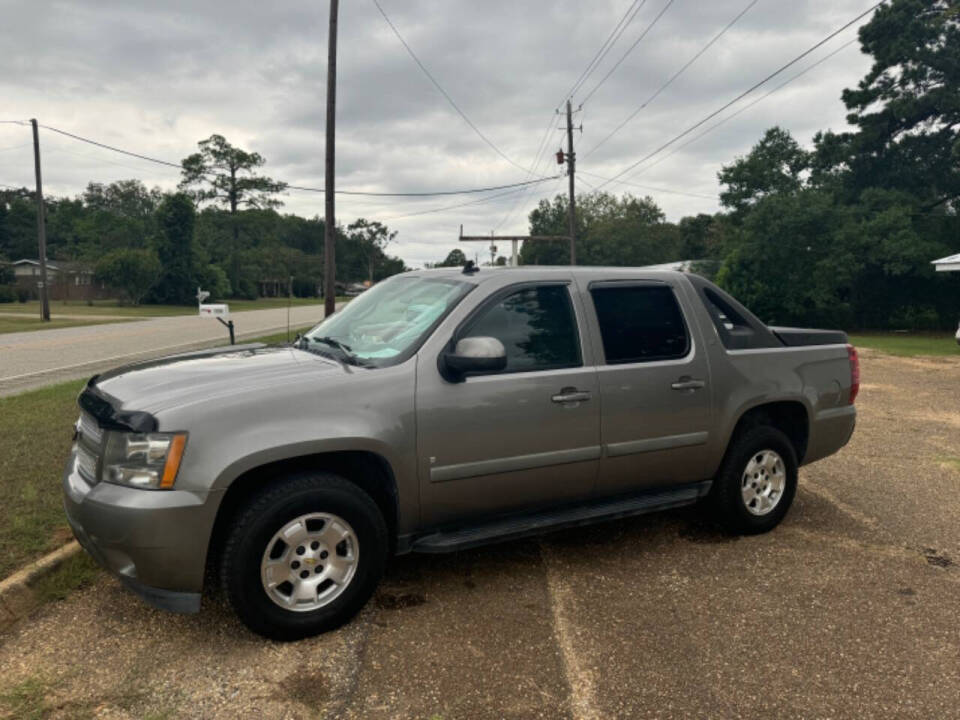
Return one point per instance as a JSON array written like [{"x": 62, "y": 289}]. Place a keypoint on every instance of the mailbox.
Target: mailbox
[{"x": 215, "y": 310}]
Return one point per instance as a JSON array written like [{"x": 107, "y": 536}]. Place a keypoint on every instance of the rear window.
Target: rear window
[{"x": 640, "y": 323}]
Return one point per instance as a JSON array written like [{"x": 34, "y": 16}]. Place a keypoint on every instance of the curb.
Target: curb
[{"x": 17, "y": 598}]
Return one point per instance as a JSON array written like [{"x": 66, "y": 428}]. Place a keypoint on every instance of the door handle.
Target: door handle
[
  {"x": 570, "y": 395},
  {"x": 688, "y": 383}
]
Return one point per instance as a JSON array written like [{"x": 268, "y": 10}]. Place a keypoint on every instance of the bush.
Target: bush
[
  {"x": 23, "y": 295},
  {"x": 921, "y": 317},
  {"x": 213, "y": 279},
  {"x": 132, "y": 271},
  {"x": 8, "y": 294}
]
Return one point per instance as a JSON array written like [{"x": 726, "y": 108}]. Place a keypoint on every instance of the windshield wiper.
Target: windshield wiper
[{"x": 345, "y": 351}]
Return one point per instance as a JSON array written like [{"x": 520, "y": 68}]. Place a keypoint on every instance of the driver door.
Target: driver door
[{"x": 522, "y": 438}]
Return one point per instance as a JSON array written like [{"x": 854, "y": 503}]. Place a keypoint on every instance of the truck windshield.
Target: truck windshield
[{"x": 388, "y": 322}]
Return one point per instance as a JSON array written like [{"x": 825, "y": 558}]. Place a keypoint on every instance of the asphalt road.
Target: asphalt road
[
  {"x": 848, "y": 610},
  {"x": 40, "y": 357}
]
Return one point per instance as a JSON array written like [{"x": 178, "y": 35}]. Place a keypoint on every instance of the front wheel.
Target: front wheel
[
  {"x": 757, "y": 482},
  {"x": 304, "y": 556}
]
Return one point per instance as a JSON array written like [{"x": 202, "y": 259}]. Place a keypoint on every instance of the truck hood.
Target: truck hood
[{"x": 178, "y": 380}]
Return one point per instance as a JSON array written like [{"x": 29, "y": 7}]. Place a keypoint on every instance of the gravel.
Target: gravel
[{"x": 848, "y": 610}]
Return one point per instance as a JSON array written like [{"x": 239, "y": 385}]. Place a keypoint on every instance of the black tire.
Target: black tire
[
  {"x": 269, "y": 510},
  {"x": 727, "y": 495}
]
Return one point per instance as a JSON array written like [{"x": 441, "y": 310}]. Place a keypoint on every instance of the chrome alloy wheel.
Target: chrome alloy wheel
[
  {"x": 309, "y": 562},
  {"x": 763, "y": 482}
]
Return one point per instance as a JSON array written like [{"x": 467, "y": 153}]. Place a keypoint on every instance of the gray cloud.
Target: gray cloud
[{"x": 156, "y": 78}]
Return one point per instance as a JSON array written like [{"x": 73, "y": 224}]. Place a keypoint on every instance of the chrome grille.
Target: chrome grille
[
  {"x": 89, "y": 443},
  {"x": 90, "y": 430},
  {"x": 86, "y": 464}
]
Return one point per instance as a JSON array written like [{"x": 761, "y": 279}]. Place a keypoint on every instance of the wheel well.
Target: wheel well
[
  {"x": 369, "y": 471},
  {"x": 789, "y": 417}
]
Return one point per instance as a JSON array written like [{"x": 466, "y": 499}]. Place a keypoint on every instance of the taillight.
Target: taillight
[{"x": 854, "y": 372}]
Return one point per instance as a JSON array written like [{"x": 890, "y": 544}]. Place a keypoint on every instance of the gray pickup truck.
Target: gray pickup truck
[{"x": 441, "y": 410}]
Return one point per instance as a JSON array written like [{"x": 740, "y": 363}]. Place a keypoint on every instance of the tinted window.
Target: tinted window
[
  {"x": 536, "y": 326},
  {"x": 640, "y": 323}
]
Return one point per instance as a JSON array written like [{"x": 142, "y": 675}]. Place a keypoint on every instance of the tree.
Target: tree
[
  {"x": 773, "y": 166},
  {"x": 455, "y": 258},
  {"x": 906, "y": 109},
  {"x": 371, "y": 238},
  {"x": 133, "y": 272},
  {"x": 176, "y": 218},
  {"x": 118, "y": 215},
  {"x": 611, "y": 230},
  {"x": 226, "y": 176}
]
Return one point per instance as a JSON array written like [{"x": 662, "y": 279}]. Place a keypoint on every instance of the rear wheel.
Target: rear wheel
[
  {"x": 757, "y": 482},
  {"x": 304, "y": 556}
]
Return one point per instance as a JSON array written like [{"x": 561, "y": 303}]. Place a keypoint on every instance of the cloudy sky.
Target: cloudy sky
[{"x": 157, "y": 77}]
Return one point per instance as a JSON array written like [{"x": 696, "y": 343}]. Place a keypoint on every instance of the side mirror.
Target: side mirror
[{"x": 474, "y": 355}]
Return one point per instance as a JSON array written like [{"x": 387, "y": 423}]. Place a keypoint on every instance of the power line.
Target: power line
[
  {"x": 442, "y": 91},
  {"x": 745, "y": 93},
  {"x": 677, "y": 74},
  {"x": 552, "y": 124},
  {"x": 488, "y": 198},
  {"x": 178, "y": 166},
  {"x": 651, "y": 188},
  {"x": 427, "y": 194},
  {"x": 606, "y": 47},
  {"x": 310, "y": 189},
  {"x": 629, "y": 50},
  {"x": 744, "y": 108}
]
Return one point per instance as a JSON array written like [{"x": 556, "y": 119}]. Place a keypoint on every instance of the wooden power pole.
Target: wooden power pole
[
  {"x": 571, "y": 168},
  {"x": 41, "y": 228},
  {"x": 330, "y": 226}
]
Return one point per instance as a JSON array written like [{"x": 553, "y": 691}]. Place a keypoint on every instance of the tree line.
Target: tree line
[{"x": 220, "y": 230}]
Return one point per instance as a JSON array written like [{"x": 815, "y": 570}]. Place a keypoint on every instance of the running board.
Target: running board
[{"x": 520, "y": 526}]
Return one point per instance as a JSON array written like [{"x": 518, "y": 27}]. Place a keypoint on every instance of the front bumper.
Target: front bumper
[{"x": 154, "y": 541}]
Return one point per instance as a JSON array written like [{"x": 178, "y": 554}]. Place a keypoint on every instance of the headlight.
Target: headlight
[{"x": 143, "y": 460}]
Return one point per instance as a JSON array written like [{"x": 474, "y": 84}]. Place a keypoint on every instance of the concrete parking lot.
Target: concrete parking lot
[{"x": 848, "y": 610}]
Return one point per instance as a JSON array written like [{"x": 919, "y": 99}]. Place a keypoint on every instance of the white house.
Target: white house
[{"x": 951, "y": 263}]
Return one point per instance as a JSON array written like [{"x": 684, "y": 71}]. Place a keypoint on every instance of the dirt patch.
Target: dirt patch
[
  {"x": 387, "y": 600},
  {"x": 308, "y": 689},
  {"x": 940, "y": 418},
  {"x": 937, "y": 559}
]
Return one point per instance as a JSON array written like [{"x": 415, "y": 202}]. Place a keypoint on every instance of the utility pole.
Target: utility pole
[
  {"x": 41, "y": 228},
  {"x": 330, "y": 226},
  {"x": 571, "y": 168}
]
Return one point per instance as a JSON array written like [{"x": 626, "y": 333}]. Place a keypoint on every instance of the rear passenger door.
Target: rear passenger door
[{"x": 654, "y": 387}]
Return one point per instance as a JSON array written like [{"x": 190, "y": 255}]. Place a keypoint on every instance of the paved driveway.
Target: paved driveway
[
  {"x": 848, "y": 610},
  {"x": 32, "y": 359}
]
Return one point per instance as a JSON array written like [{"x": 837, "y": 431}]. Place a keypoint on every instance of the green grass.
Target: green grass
[
  {"x": 113, "y": 307},
  {"x": 37, "y": 427},
  {"x": 74, "y": 573},
  {"x": 280, "y": 337},
  {"x": 908, "y": 345},
  {"x": 26, "y": 700},
  {"x": 9, "y": 324}
]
